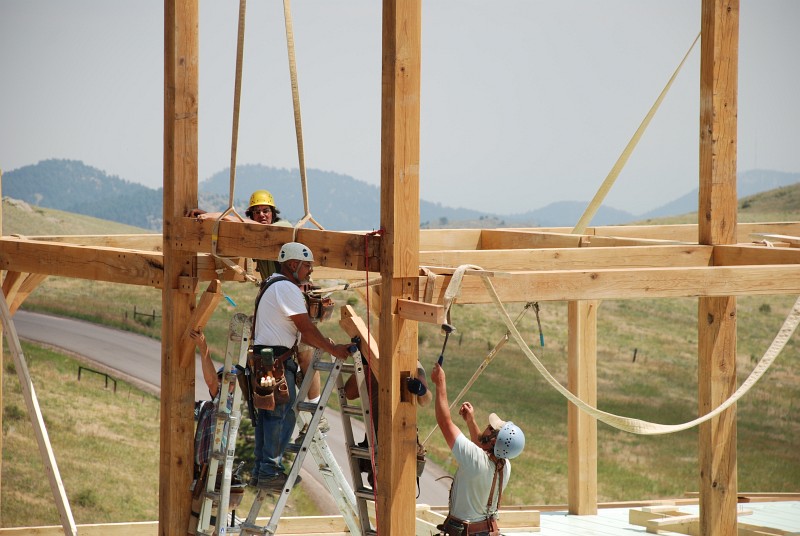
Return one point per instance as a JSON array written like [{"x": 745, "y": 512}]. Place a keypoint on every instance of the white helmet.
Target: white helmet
[
  {"x": 510, "y": 439},
  {"x": 295, "y": 251}
]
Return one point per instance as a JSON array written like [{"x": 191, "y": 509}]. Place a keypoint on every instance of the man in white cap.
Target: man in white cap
[
  {"x": 282, "y": 320},
  {"x": 483, "y": 466}
]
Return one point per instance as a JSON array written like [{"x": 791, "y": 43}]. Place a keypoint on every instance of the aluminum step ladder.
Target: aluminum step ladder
[
  {"x": 313, "y": 441},
  {"x": 228, "y": 416},
  {"x": 356, "y": 452}
]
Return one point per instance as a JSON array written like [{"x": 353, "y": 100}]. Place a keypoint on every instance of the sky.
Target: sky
[{"x": 523, "y": 102}]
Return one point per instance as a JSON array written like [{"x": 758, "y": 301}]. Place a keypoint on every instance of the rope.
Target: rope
[
  {"x": 298, "y": 125},
  {"x": 594, "y": 206},
  {"x": 638, "y": 426}
]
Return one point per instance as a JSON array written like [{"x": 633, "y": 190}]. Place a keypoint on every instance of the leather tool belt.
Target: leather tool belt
[
  {"x": 453, "y": 526},
  {"x": 268, "y": 363}
]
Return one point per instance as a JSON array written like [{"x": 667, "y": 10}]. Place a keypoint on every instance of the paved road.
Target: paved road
[{"x": 137, "y": 359}]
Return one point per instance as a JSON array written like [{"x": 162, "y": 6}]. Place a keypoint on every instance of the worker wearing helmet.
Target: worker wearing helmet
[
  {"x": 282, "y": 320},
  {"x": 261, "y": 208},
  {"x": 483, "y": 466}
]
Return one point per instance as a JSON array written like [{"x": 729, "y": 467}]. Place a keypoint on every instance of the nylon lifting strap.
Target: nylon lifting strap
[
  {"x": 237, "y": 94},
  {"x": 628, "y": 424},
  {"x": 594, "y": 206},
  {"x": 298, "y": 125}
]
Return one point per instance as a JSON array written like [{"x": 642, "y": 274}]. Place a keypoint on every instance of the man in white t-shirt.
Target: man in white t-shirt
[
  {"x": 282, "y": 321},
  {"x": 483, "y": 466}
]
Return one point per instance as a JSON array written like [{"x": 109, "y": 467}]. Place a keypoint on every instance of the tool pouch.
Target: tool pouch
[
  {"x": 452, "y": 527},
  {"x": 263, "y": 364},
  {"x": 320, "y": 309}
]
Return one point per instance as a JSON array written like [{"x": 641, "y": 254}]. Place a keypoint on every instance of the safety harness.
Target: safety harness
[{"x": 454, "y": 526}]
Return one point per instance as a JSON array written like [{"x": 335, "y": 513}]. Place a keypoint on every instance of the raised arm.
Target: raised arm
[{"x": 449, "y": 430}]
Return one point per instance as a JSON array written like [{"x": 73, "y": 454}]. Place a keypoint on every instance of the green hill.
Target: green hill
[{"x": 20, "y": 218}]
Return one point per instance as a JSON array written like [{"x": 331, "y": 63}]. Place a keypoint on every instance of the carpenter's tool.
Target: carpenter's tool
[{"x": 448, "y": 329}]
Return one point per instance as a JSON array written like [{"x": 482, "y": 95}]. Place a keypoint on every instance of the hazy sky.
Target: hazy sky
[{"x": 524, "y": 102}]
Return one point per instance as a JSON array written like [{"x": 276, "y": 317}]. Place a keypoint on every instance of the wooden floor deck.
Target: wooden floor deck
[{"x": 782, "y": 518}]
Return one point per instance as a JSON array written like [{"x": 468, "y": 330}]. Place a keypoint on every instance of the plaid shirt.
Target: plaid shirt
[{"x": 206, "y": 415}]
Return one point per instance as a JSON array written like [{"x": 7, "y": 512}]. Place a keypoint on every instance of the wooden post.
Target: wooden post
[
  {"x": 399, "y": 264},
  {"x": 180, "y": 194},
  {"x": 717, "y": 225},
  {"x": 2, "y": 367},
  {"x": 582, "y": 428}
]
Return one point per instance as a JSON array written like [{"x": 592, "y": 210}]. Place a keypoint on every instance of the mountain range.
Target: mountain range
[{"x": 339, "y": 202}]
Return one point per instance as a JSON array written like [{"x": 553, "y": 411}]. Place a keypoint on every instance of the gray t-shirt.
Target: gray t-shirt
[{"x": 473, "y": 481}]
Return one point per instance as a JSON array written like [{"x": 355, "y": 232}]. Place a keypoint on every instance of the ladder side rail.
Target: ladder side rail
[
  {"x": 249, "y": 525},
  {"x": 336, "y": 482},
  {"x": 366, "y": 415},
  {"x": 313, "y": 425},
  {"x": 231, "y": 382},
  {"x": 237, "y": 333}
]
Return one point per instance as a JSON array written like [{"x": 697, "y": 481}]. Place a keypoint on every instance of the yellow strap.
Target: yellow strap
[
  {"x": 602, "y": 192},
  {"x": 298, "y": 124}
]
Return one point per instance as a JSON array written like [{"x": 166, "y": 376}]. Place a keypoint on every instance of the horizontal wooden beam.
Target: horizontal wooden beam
[
  {"x": 740, "y": 255},
  {"x": 334, "y": 249},
  {"x": 630, "y": 283},
  {"x": 132, "y": 267},
  {"x": 143, "y": 242},
  {"x": 420, "y": 311},
  {"x": 683, "y": 232},
  {"x": 572, "y": 258},
  {"x": 82, "y": 262},
  {"x": 533, "y": 239}
]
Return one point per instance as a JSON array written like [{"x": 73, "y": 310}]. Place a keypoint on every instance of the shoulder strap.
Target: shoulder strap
[
  {"x": 264, "y": 286},
  {"x": 499, "y": 465}
]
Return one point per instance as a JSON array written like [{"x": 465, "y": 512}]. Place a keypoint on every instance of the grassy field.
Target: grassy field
[
  {"x": 647, "y": 367},
  {"x": 105, "y": 443}
]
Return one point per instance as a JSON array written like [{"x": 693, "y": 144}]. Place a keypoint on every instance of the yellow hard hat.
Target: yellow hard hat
[{"x": 261, "y": 197}]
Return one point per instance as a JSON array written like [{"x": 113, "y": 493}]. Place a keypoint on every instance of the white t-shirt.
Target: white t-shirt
[
  {"x": 473, "y": 481},
  {"x": 273, "y": 325}
]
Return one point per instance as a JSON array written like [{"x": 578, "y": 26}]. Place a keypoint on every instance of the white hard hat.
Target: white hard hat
[
  {"x": 510, "y": 439},
  {"x": 295, "y": 251}
]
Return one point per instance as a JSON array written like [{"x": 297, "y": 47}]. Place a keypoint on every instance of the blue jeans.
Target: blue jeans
[{"x": 274, "y": 430}]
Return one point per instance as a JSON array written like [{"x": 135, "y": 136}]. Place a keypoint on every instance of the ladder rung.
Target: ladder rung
[
  {"x": 353, "y": 411},
  {"x": 213, "y": 495},
  {"x": 293, "y": 447},
  {"x": 324, "y": 365},
  {"x": 348, "y": 368},
  {"x": 307, "y": 406},
  {"x": 365, "y": 493},
  {"x": 360, "y": 452}
]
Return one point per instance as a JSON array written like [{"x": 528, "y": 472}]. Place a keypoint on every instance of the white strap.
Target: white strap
[{"x": 638, "y": 426}]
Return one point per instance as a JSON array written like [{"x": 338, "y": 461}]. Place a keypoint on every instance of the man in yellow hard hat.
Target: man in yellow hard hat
[{"x": 262, "y": 208}]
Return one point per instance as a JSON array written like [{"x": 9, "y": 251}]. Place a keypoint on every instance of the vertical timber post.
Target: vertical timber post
[
  {"x": 582, "y": 428},
  {"x": 2, "y": 402},
  {"x": 717, "y": 225},
  {"x": 400, "y": 264},
  {"x": 180, "y": 194}
]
